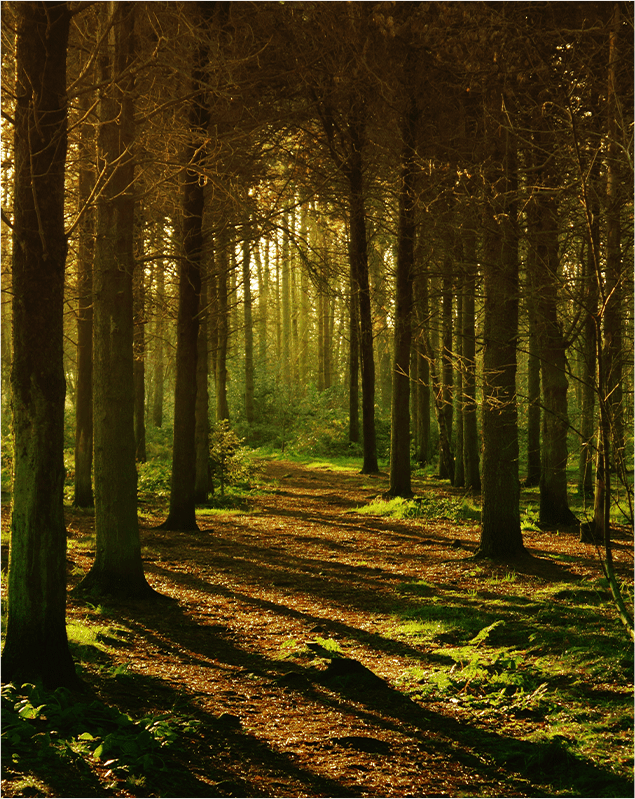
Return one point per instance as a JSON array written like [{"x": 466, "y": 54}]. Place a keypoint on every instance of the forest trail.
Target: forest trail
[{"x": 259, "y": 594}]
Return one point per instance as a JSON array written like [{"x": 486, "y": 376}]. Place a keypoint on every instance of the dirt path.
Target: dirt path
[{"x": 238, "y": 648}]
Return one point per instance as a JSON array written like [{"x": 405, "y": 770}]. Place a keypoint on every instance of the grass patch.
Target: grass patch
[
  {"x": 429, "y": 507},
  {"x": 554, "y": 655}
]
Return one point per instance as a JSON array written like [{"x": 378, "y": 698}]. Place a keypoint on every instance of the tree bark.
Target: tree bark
[
  {"x": 471, "y": 444},
  {"x": 459, "y": 464},
  {"x": 249, "y": 330},
  {"x": 83, "y": 496},
  {"x": 359, "y": 268},
  {"x": 139, "y": 345},
  {"x": 533, "y": 391},
  {"x": 501, "y": 536},
  {"x": 117, "y": 569},
  {"x": 400, "y": 482},
  {"x": 182, "y": 511},
  {"x": 159, "y": 360},
  {"x": 554, "y": 503},
  {"x": 446, "y": 456},
  {"x": 202, "y": 483},
  {"x": 36, "y": 646},
  {"x": 222, "y": 322},
  {"x": 353, "y": 359}
]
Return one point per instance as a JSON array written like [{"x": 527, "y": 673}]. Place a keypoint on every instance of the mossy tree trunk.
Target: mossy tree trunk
[{"x": 36, "y": 647}]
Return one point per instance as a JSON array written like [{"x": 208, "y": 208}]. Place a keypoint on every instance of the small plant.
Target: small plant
[
  {"x": 529, "y": 521},
  {"x": 229, "y": 460},
  {"x": 421, "y": 508}
]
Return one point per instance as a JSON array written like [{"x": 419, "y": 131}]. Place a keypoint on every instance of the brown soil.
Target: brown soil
[{"x": 251, "y": 589}]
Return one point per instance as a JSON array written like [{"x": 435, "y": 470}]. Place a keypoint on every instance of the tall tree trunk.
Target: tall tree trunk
[
  {"x": 423, "y": 367},
  {"x": 159, "y": 360},
  {"x": 327, "y": 341},
  {"x": 613, "y": 293},
  {"x": 471, "y": 444},
  {"x": 353, "y": 361},
  {"x": 305, "y": 307},
  {"x": 202, "y": 483},
  {"x": 117, "y": 569},
  {"x": 446, "y": 456},
  {"x": 534, "y": 410},
  {"x": 36, "y": 646},
  {"x": 588, "y": 354},
  {"x": 263, "y": 302},
  {"x": 400, "y": 483},
  {"x": 459, "y": 466},
  {"x": 139, "y": 345},
  {"x": 182, "y": 511},
  {"x": 359, "y": 268},
  {"x": 222, "y": 321},
  {"x": 501, "y": 535},
  {"x": 286, "y": 307},
  {"x": 554, "y": 504},
  {"x": 83, "y": 496},
  {"x": 249, "y": 330}
]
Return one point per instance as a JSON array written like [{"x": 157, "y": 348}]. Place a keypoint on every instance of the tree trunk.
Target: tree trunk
[
  {"x": 533, "y": 389},
  {"x": 423, "y": 365},
  {"x": 353, "y": 361},
  {"x": 613, "y": 291},
  {"x": 400, "y": 483},
  {"x": 471, "y": 444},
  {"x": 182, "y": 511},
  {"x": 202, "y": 484},
  {"x": 159, "y": 361},
  {"x": 138, "y": 292},
  {"x": 588, "y": 355},
  {"x": 286, "y": 308},
  {"x": 501, "y": 536},
  {"x": 117, "y": 569},
  {"x": 83, "y": 496},
  {"x": 446, "y": 456},
  {"x": 36, "y": 646},
  {"x": 222, "y": 321},
  {"x": 554, "y": 503},
  {"x": 359, "y": 268},
  {"x": 249, "y": 331},
  {"x": 459, "y": 466}
]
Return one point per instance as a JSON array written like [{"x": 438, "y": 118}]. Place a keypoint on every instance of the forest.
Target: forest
[{"x": 317, "y": 398}]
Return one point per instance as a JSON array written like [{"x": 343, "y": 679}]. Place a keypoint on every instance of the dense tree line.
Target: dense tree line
[{"x": 421, "y": 210}]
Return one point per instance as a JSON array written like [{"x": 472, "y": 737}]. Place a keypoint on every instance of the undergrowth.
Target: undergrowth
[{"x": 555, "y": 656}]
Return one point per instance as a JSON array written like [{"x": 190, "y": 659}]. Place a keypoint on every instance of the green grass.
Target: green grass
[
  {"x": 555, "y": 655},
  {"x": 425, "y": 507}
]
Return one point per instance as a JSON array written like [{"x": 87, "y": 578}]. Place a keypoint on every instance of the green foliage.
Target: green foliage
[
  {"x": 6, "y": 462},
  {"x": 40, "y": 724},
  {"x": 540, "y": 656},
  {"x": 529, "y": 520},
  {"x": 230, "y": 461},
  {"x": 153, "y": 478},
  {"x": 427, "y": 507}
]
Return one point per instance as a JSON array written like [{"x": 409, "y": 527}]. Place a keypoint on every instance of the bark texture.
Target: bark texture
[{"x": 36, "y": 647}]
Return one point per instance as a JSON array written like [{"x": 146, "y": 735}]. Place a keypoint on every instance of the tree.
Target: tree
[
  {"x": 36, "y": 646},
  {"x": 400, "y": 418},
  {"x": 182, "y": 511},
  {"x": 501, "y": 535},
  {"x": 85, "y": 250},
  {"x": 118, "y": 568}
]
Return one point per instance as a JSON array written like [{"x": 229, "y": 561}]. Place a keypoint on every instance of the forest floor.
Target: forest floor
[{"x": 315, "y": 650}]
